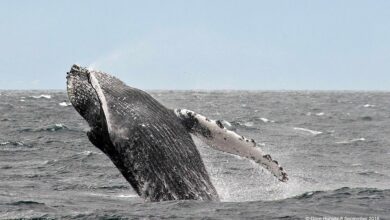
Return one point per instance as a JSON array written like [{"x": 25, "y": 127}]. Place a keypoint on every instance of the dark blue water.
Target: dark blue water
[{"x": 335, "y": 147}]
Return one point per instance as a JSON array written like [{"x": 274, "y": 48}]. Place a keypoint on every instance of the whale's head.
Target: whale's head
[{"x": 82, "y": 95}]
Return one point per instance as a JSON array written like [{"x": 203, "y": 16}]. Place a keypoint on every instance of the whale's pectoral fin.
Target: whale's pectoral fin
[{"x": 214, "y": 134}]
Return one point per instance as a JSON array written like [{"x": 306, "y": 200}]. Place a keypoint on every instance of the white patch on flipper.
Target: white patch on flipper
[{"x": 228, "y": 141}]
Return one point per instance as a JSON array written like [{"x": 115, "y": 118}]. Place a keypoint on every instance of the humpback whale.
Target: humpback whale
[{"x": 150, "y": 144}]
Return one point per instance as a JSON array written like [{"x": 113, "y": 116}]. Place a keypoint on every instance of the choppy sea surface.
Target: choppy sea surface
[{"x": 335, "y": 147}]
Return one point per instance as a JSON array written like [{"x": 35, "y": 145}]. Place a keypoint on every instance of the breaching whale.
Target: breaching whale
[{"x": 150, "y": 144}]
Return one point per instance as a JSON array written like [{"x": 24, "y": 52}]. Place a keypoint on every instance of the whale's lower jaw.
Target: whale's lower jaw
[{"x": 144, "y": 140}]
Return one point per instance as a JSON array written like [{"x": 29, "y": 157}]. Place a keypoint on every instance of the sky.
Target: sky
[{"x": 199, "y": 44}]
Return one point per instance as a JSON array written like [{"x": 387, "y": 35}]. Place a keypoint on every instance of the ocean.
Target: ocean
[{"x": 335, "y": 146}]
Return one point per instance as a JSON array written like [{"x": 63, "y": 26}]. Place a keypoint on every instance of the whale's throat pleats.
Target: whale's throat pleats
[{"x": 148, "y": 144}]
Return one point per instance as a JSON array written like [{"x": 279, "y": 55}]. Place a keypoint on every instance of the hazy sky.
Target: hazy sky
[{"x": 262, "y": 45}]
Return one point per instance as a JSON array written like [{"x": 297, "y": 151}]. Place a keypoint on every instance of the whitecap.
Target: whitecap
[
  {"x": 320, "y": 114},
  {"x": 88, "y": 153},
  {"x": 15, "y": 143},
  {"x": 313, "y": 132},
  {"x": 356, "y": 164},
  {"x": 249, "y": 124},
  {"x": 127, "y": 196},
  {"x": 41, "y": 96},
  {"x": 97, "y": 194},
  {"x": 368, "y": 106},
  {"x": 45, "y": 162},
  {"x": 59, "y": 125},
  {"x": 266, "y": 120},
  {"x": 351, "y": 141},
  {"x": 54, "y": 127},
  {"x": 65, "y": 104},
  {"x": 226, "y": 123}
]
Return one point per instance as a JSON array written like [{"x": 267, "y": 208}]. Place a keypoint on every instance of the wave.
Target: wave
[
  {"x": 227, "y": 124},
  {"x": 55, "y": 127},
  {"x": 84, "y": 154},
  {"x": 25, "y": 202},
  {"x": 366, "y": 118},
  {"x": 86, "y": 186},
  {"x": 251, "y": 123},
  {"x": 344, "y": 192},
  {"x": 317, "y": 114},
  {"x": 12, "y": 143},
  {"x": 113, "y": 187},
  {"x": 370, "y": 173},
  {"x": 127, "y": 196},
  {"x": 368, "y": 106},
  {"x": 266, "y": 120},
  {"x": 14, "y": 146},
  {"x": 64, "y": 104},
  {"x": 7, "y": 106},
  {"x": 313, "y": 132},
  {"x": 351, "y": 141},
  {"x": 51, "y": 128},
  {"x": 88, "y": 153},
  {"x": 41, "y": 96}
]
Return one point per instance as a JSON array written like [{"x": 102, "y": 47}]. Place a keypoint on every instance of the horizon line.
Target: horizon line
[{"x": 219, "y": 90}]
